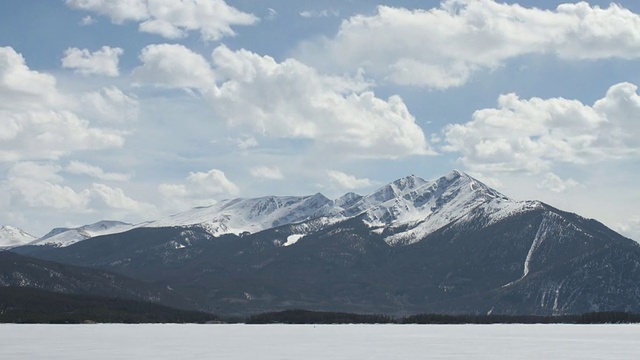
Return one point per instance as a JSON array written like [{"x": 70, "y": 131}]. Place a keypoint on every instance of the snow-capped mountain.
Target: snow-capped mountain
[
  {"x": 448, "y": 245},
  {"x": 61, "y": 237},
  {"x": 409, "y": 209},
  {"x": 237, "y": 216},
  {"x": 405, "y": 210},
  {"x": 12, "y": 236}
]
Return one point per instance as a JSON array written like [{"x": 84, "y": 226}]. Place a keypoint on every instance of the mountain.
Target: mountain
[
  {"x": 11, "y": 237},
  {"x": 452, "y": 245},
  {"x": 66, "y": 236},
  {"x": 26, "y": 272}
]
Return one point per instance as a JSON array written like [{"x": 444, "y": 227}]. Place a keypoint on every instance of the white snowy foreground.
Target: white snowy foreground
[{"x": 319, "y": 342}]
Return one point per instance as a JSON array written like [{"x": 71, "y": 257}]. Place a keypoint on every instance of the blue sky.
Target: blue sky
[{"x": 134, "y": 109}]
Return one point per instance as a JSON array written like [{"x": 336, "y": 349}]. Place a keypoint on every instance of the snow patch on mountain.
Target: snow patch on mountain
[
  {"x": 62, "y": 237},
  {"x": 11, "y": 236},
  {"x": 237, "y": 216}
]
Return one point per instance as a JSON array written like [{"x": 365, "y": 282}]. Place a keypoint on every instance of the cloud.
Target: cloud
[
  {"x": 266, "y": 172},
  {"x": 319, "y": 14},
  {"x": 199, "y": 188},
  {"x": 630, "y": 227},
  {"x": 40, "y": 185},
  {"x": 110, "y": 104},
  {"x": 115, "y": 198},
  {"x": 22, "y": 87},
  {"x": 443, "y": 47},
  {"x": 533, "y": 135},
  {"x": 292, "y": 100},
  {"x": 289, "y": 100},
  {"x": 173, "y": 65},
  {"x": 35, "y": 118},
  {"x": 101, "y": 62},
  {"x": 170, "y": 18},
  {"x": 87, "y": 20},
  {"x": 554, "y": 183},
  {"x": 346, "y": 181},
  {"x": 80, "y": 168}
]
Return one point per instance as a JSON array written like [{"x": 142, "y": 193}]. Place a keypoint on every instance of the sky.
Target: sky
[{"x": 132, "y": 110}]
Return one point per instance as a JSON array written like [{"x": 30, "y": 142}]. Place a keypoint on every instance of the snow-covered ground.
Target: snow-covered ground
[{"x": 319, "y": 342}]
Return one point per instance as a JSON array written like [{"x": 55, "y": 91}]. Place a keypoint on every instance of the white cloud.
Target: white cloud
[
  {"x": 271, "y": 14},
  {"x": 101, "y": 62},
  {"x": 118, "y": 10},
  {"x": 199, "y": 188},
  {"x": 35, "y": 120},
  {"x": 319, "y": 14},
  {"x": 556, "y": 184},
  {"x": 443, "y": 47},
  {"x": 292, "y": 100},
  {"x": 115, "y": 198},
  {"x": 22, "y": 87},
  {"x": 533, "y": 135},
  {"x": 50, "y": 135},
  {"x": 346, "y": 181},
  {"x": 266, "y": 172},
  {"x": 111, "y": 105},
  {"x": 244, "y": 143},
  {"x": 80, "y": 168},
  {"x": 630, "y": 228},
  {"x": 87, "y": 20},
  {"x": 173, "y": 65},
  {"x": 40, "y": 186},
  {"x": 171, "y": 18},
  {"x": 257, "y": 95}
]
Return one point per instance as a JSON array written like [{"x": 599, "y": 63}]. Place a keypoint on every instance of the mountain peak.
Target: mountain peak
[{"x": 11, "y": 236}]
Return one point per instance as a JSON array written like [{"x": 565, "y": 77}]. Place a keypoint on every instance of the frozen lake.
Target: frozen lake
[{"x": 319, "y": 342}]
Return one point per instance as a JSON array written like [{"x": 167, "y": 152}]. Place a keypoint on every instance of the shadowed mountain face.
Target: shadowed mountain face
[
  {"x": 22, "y": 271},
  {"x": 448, "y": 246}
]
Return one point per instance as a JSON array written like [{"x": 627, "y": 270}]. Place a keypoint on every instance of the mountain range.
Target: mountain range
[{"x": 452, "y": 245}]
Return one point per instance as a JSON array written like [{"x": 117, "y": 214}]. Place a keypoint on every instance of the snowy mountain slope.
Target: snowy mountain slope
[
  {"x": 237, "y": 216},
  {"x": 404, "y": 211},
  {"x": 12, "y": 236},
  {"x": 64, "y": 236}
]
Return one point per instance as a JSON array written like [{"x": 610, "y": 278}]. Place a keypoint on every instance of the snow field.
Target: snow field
[{"x": 319, "y": 342}]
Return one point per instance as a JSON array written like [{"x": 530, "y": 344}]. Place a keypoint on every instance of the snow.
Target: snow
[
  {"x": 416, "y": 206},
  {"x": 518, "y": 342},
  {"x": 12, "y": 237},
  {"x": 237, "y": 216},
  {"x": 292, "y": 239},
  {"x": 66, "y": 237}
]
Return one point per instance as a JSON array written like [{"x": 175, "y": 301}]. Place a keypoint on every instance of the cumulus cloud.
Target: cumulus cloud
[
  {"x": 171, "y": 18},
  {"x": 533, "y": 135},
  {"x": 556, "y": 184},
  {"x": 35, "y": 118},
  {"x": 266, "y": 172},
  {"x": 173, "y": 65},
  {"x": 257, "y": 95},
  {"x": 80, "y": 168},
  {"x": 346, "y": 181},
  {"x": 443, "y": 47},
  {"x": 199, "y": 188},
  {"x": 110, "y": 104},
  {"x": 40, "y": 185},
  {"x": 292, "y": 100},
  {"x": 21, "y": 87},
  {"x": 101, "y": 62}
]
